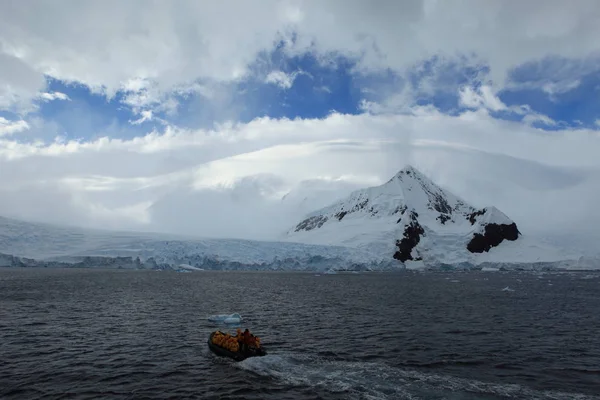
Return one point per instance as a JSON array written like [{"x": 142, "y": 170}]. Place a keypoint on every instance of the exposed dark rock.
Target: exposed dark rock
[
  {"x": 360, "y": 205},
  {"x": 473, "y": 216},
  {"x": 400, "y": 209},
  {"x": 439, "y": 203},
  {"x": 311, "y": 223},
  {"x": 357, "y": 207},
  {"x": 493, "y": 235},
  {"x": 341, "y": 215},
  {"x": 443, "y": 218},
  {"x": 411, "y": 237}
]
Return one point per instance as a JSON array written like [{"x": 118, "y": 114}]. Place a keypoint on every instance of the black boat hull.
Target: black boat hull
[{"x": 237, "y": 356}]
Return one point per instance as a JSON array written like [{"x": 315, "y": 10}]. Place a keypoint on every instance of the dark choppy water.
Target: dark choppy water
[{"x": 142, "y": 334}]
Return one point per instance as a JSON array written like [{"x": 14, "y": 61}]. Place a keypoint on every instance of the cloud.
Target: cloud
[
  {"x": 158, "y": 60},
  {"x": 19, "y": 83},
  {"x": 482, "y": 98},
  {"x": 152, "y": 49},
  {"x": 53, "y": 96},
  {"x": 10, "y": 127},
  {"x": 553, "y": 88},
  {"x": 256, "y": 179},
  {"x": 146, "y": 116},
  {"x": 281, "y": 79}
]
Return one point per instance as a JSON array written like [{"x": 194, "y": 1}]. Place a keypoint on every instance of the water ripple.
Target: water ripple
[{"x": 141, "y": 334}]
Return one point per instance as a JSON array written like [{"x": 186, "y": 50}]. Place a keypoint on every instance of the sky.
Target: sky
[{"x": 234, "y": 119}]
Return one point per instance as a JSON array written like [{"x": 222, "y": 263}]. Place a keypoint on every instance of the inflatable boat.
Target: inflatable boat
[{"x": 235, "y": 355}]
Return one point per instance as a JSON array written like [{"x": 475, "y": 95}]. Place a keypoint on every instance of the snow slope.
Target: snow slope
[{"x": 411, "y": 218}]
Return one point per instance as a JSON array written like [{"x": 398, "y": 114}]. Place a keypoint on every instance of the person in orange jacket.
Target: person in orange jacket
[{"x": 247, "y": 338}]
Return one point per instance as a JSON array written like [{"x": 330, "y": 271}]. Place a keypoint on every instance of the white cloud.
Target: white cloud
[
  {"x": 481, "y": 98},
  {"x": 553, "y": 88},
  {"x": 227, "y": 180},
  {"x": 9, "y": 127},
  {"x": 146, "y": 115},
  {"x": 281, "y": 79},
  {"x": 531, "y": 118},
  {"x": 53, "y": 96},
  {"x": 484, "y": 99},
  {"x": 154, "y": 48},
  {"x": 20, "y": 83},
  {"x": 230, "y": 181}
]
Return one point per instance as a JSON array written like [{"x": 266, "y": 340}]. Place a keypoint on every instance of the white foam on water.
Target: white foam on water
[{"x": 372, "y": 380}]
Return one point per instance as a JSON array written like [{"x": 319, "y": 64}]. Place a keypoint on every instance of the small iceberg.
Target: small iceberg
[
  {"x": 490, "y": 269},
  {"x": 234, "y": 318}
]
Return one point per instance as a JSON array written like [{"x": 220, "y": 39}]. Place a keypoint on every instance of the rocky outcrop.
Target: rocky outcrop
[
  {"x": 492, "y": 236},
  {"x": 312, "y": 223},
  {"x": 473, "y": 216},
  {"x": 410, "y": 239},
  {"x": 495, "y": 227}
]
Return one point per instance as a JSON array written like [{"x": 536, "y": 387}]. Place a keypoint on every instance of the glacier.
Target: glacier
[
  {"x": 408, "y": 222},
  {"x": 34, "y": 244}
]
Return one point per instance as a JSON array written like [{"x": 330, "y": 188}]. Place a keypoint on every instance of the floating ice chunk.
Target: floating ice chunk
[
  {"x": 490, "y": 269},
  {"x": 189, "y": 267},
  {"x": 414, "y": 265},
  {"x": 234, "y": 318}
]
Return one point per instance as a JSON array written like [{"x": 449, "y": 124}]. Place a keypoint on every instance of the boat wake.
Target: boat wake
[{"x": 370, "y": 380}]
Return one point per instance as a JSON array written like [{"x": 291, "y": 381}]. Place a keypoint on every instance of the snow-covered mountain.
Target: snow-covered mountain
[
  {"x": 410, "y": 218},
  {"x": 310, "y": 195},
  {"x": 407, "y": 222}
]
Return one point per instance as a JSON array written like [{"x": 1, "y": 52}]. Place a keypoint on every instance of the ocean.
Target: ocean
[{"x": 123, "y": 334}]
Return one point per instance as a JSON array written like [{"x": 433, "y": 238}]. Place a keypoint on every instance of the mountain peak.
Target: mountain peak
[
  {"x": 423, "y": 195},
  {"x": 401, "y": 211},
  {"x": 407, "y": 171}
]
